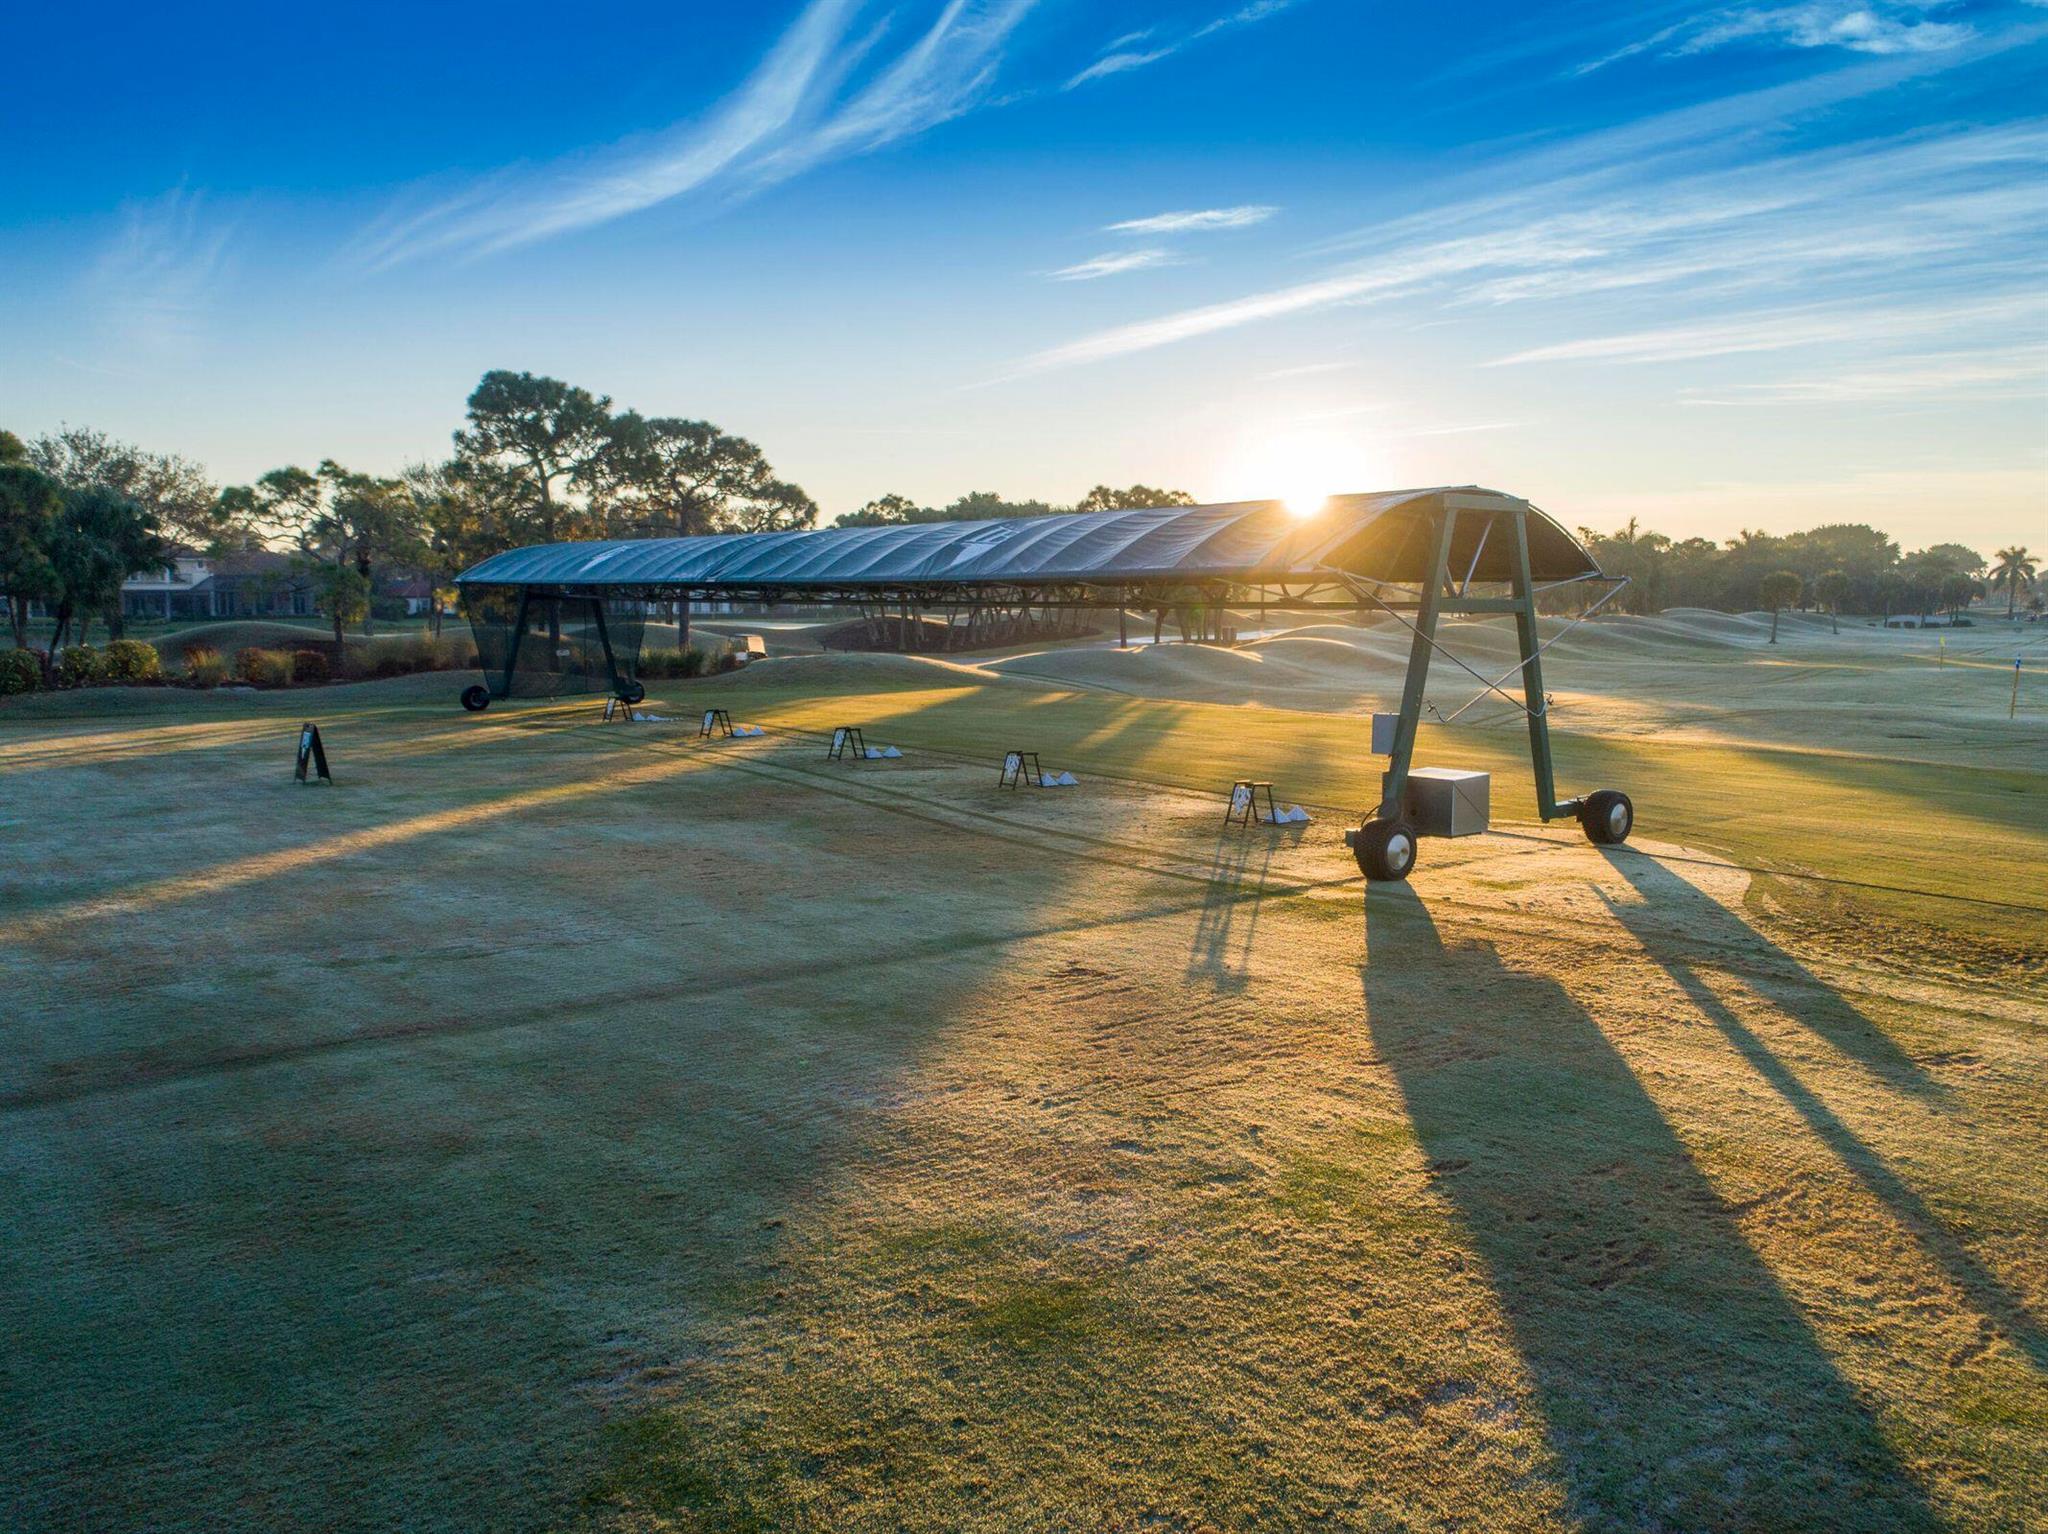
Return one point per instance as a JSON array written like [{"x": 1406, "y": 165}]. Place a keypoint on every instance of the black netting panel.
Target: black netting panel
[{"x": 533, "y": 646}]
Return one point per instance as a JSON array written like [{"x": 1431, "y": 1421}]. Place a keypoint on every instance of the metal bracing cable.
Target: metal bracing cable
[
  {"x": 1523, "y": 664},
  {"x": 1433, "y": 643}
]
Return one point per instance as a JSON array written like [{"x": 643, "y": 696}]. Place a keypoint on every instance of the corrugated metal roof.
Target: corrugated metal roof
[{"x": 1383, "y": 536}]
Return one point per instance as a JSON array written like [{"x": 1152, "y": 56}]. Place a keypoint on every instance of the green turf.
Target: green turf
[{"x": 559, "y": 1125}]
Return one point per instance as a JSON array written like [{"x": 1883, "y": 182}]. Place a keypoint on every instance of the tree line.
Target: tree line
[
  {"x": 984, "y": 505},
  {"x": 1837, "y": 568},
  {"x": 538, "y": 460}
]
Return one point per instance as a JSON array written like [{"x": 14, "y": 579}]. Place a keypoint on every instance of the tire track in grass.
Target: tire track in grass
[
  {"x": 1129, "y": 856},
  {"x": 1459, "y": 913}
]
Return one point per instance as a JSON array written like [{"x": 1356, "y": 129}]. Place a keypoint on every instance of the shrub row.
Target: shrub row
[
  {"x": 663, "y": 665},
  {"x": 20, "y": 671},
  {"x": 126, "y": 661},
  {"x": 130, "y": 661}
]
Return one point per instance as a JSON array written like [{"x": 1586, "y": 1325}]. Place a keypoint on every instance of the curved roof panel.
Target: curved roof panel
[{"x": 1385, "y": 536}]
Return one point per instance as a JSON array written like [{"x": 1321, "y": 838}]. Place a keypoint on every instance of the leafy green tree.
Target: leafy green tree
[
  {"x": 99, "y": 539},
  {"x": 2015, "y": 568},
  {"x": 987, "y": 506},
  {"x": 12, "y": 448},
  {"x": 30, "y": 502},
  {"x": 1831, "y": 589},
  {"x": 176, "y": 492},
  {"x": 669, "y": 477},
  {"x": 1136, "y": 498},
  {"x": 560, "y": 440},
  {"x": 975, "y": 506},
  {"x": 342, "y": 592},
  {"x": 338, "y": 517},
  {"x": 468, "y": 510},
  {"x": 1931, "y": 567},
  {"x": 1957, "y": 592},
  {"x": 885, "y": 511},
  {"x": 1779, "y": 590},
  {"x": 1643, "y": 557}
]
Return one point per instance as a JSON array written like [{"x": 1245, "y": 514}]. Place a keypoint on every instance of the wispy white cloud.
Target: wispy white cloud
[
  {"x": 1858, "y": 27},
  {"x": 150, "y": 285},
  {"x": 1996, "y": 373},
  {"x": 1124, "y": 55},
  {"x": 1454, "y": 431},
  {"x": 1112, "y": 264},
  {"x": 1190, "y": 220},
  {"x": 1307, "y": 369},
  {"x": 1861, "y": 26},
  {"x": 824, "y": 91},
  {"x": 1245, "y": 15},
  {"x": 1788, "y": 329},
  {"x": 1680, "y": 205},
  {"x": 1117, "y": 63}
]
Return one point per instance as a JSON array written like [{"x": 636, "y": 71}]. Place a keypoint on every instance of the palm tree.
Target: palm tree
[
  {"x": 2015, "y": 568},
  {"x": 1779, "y": 591}
]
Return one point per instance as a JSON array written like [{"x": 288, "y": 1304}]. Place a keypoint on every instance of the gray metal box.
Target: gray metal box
[{"x": 1442, "y": 801}]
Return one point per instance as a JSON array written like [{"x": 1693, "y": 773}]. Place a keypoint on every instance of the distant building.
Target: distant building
[
  {"x": 415, "y": 591},
  {"x": 260, "y": 583}
]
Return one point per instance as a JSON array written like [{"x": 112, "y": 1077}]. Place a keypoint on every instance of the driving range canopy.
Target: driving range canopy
[
  {"x": 565, "y": 617},
  {"x": 1386, "y": 537}
]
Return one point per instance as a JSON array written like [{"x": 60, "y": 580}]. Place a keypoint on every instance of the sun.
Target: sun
[{"x": 1299, "y": 469}]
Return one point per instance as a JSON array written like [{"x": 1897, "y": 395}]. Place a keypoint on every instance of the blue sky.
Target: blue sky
[{"x": 1760, "y": 265}]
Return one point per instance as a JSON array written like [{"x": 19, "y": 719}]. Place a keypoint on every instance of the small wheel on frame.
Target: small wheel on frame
[
  {"x": 476, "y": 698},
  {"x": 1385, "y": 850},
  {"x": 1607, "y": 817},
  {"x": 633, "y": 692}
]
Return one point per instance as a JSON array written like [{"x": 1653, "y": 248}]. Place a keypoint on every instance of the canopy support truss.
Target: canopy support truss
[{"x": 1440, "y": 597}]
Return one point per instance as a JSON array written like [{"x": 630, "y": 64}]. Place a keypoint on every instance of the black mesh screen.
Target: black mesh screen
[{"x": 534, "y": 646}]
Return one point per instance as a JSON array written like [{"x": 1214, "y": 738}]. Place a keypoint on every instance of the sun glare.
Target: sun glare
[{"x": 1299, "y": 469}]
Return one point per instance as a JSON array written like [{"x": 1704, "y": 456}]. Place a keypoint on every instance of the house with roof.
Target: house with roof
[{"x": 256, "y": 583}]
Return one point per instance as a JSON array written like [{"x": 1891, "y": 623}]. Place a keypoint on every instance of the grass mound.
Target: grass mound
[{"x": 236, "y": 635}]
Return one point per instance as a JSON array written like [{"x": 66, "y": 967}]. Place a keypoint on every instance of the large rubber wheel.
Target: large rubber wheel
[
  {"x": 1385, "y": 849},
  {"x": 1607, "y": 817},
  {"x": 476, "y": 699},
  {"x": 633, "y": 693}
]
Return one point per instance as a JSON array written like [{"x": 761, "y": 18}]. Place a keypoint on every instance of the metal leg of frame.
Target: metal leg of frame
[
  {"x": 604, "y": 637},
  {"x": 1530, "y": 644},
  {"x": 518, "y": 638},
  {"x": 1394, "y": 791}
]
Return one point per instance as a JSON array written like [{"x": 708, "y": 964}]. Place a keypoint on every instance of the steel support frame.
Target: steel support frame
[
  {"x": 604, "y": 637},
  {"x": 1438, "y": 598},
  {"x": 518, "y": 639}
]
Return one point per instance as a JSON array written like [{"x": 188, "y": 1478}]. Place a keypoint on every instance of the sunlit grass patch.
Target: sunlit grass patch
[{"x": 571, "y": 1123}]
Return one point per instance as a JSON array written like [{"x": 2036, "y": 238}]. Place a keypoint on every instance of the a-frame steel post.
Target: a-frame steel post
[
  {"x": 1394, "y": 785},
  {"x": 518, "y": 638},
  {"x": 1530, "y": 644},
  {"x": 1437, "y": 599},
  {"x": 604, "y": 637}
]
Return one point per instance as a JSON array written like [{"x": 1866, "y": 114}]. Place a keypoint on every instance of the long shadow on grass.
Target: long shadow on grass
[
  {"x": 1665, "y": 894},
  {"x": 1221, "y": 949},
  {"x": 1677, "y": 916},
  {"x": 1679, "y": 1385}
]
